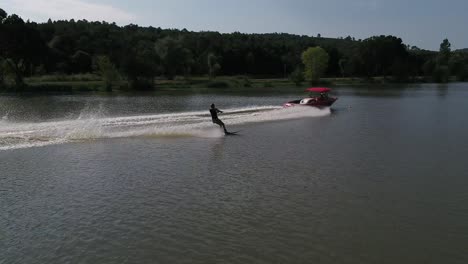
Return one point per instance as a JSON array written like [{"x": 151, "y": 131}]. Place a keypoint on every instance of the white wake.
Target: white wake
[{"x": 88, "y": 127}]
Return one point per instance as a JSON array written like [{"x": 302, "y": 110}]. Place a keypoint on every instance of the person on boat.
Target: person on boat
[
  {"x": 214, "y": 116},
  {"x": 323, "y": 96}
]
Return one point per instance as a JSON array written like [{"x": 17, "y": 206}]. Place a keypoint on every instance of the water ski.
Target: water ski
[{"x": 232, "y": 133}]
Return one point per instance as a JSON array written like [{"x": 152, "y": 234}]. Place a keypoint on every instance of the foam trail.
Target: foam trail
[{"x": 94, "y": 126}]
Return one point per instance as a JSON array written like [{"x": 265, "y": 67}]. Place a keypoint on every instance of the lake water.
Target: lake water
[{"x": 379, "y": 178}]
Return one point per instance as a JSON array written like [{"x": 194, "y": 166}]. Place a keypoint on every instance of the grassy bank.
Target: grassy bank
[{"x": 93, "y": 83}]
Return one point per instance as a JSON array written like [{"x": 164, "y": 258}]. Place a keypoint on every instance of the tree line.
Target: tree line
[{"x": 139, "y": 55}]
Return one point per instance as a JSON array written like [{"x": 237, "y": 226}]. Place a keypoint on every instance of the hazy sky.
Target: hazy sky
[{"x": 424, "y": 23}]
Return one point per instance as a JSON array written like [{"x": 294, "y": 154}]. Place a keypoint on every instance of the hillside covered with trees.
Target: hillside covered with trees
[{"x": 139, "y": 55}]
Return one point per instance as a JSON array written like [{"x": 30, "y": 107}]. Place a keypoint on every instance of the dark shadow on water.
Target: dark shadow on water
[
  {"x": 442, "y": 90},
  {"x": 338, "y": 110},
  {"x": 393, "y": 90}
]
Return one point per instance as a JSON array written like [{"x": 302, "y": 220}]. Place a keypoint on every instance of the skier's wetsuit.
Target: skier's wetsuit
[{"x": 214, "y": 116}]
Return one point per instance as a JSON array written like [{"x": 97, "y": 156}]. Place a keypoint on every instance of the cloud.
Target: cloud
[{"x": 41, "y": 10}]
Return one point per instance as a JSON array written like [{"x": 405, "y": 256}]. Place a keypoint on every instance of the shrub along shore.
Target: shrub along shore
[{"x": 94, "y": 83}]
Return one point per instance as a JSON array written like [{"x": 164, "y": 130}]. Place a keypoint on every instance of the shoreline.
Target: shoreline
[{"x": 93, "y": 84}]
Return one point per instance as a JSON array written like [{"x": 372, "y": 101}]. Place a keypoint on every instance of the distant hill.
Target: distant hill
[{"x": 463, "y": 50}]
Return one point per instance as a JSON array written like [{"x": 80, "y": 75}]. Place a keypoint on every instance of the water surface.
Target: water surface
[{"x": 379, "y": 178}]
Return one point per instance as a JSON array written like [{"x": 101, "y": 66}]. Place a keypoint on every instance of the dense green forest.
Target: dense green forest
[{"x": 139, "y": 55}]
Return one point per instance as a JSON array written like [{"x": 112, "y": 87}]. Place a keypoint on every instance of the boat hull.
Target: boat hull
[{"x": 315, "y": 102}]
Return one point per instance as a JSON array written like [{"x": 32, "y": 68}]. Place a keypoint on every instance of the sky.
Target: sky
[{"x": 423, "y": 23}]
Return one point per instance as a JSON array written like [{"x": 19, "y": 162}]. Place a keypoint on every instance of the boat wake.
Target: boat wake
[{"x": 90, "y": 127}]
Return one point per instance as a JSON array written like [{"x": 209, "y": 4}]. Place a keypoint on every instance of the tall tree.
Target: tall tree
[
  {"x": 342, "y": 64},
  {"x": 297, "y": 76},
  {"x": 379, "y": 54},
  {"x": 444, "y": 52},
  {"x": 141, "y": 65},
  {"x": 21, "y": 46},
  {"x": 213, "y": 65},
  {"x": 458, "y": 65},
  {"x": 174, "y": 57},
  {"x": 315, "y": 61},
  {"x": 441, "y": 71},
  {"x": 3, "y": 15},
  {"x": 108, "y": 71},
  {"x": 81, "y": 62}
]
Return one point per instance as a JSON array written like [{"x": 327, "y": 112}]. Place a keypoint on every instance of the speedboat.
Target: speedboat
[{"x": 318, "y": 97}]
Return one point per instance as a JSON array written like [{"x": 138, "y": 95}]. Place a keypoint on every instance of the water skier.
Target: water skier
[{"x": 214, "y": 116}]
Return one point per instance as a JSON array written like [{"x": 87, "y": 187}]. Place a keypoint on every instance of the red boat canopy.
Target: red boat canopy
[{"x": 319, "y": 90}]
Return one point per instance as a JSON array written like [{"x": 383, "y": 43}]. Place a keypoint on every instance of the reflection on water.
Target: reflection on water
[
  {"x": 442, "y": 90},
  {"x": 380, "y": 179}
]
